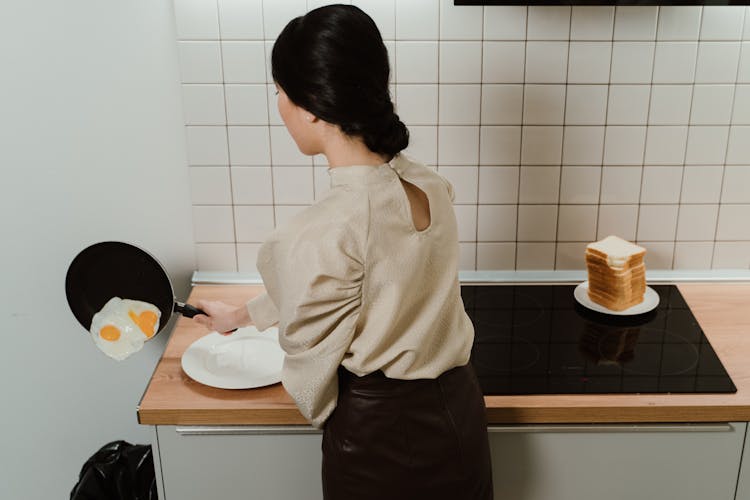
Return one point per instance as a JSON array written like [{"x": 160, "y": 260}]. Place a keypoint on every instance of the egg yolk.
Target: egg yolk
[
  {"x": 109, "y": 332},
  {"x": 146, "y": 321}
]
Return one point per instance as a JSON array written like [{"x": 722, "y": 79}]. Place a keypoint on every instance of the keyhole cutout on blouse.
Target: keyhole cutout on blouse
[{"x": 419, "y": 203}]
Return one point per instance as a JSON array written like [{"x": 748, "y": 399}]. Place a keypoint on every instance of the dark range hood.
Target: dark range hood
[{"x": 601, "y": 2}]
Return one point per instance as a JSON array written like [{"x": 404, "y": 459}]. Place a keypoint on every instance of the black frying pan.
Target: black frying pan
[{"x": 115, "y": 269}]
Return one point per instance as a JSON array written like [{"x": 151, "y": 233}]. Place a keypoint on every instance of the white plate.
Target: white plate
[
  {"x": 243, "y": 360},
  {"x": 650, "y": 301}
]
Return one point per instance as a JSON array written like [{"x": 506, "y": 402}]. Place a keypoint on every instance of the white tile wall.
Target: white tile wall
[
  {"x": 583, "y": 145},
  {"x": 505, "y": 23},
  {"x": 592, "y": 23},
  {"x": 586, "y": 105},
  {"x": 717, "y": 62},
  {"x": 743, "y": 75},
  {"x": 418, "y": 104},
  {"x": 546, "y": 62},
  {"x": 459, "y": 104},
  {"x": 240, "y": 19},
  {"x": 670, "y": 104},
  {"x": 539, "y": 185},
  {"x": 712, "y": 105},
  {"x": 246, "y": 104},
  {"x": 679, "y": 23},
  {"x": 500, "y": 145},
  {"x": 620, "y": 185},
  {"x": 674, "y": 62},
  {"x": 197, "y": 20},
  {"x": 741, "y": 112},
  {"x": 706, "y": 145},
  {"x": 544, "y": 104},
  {"x": 617, "y": 219},
  {"x": 556, "y": 125},
  {"x": 498, "y": 184},
  {"x": 503, "y": 105},
  {"x": 535, "y": 255},
  {"x": 636, "y": 23},
  {"x": 628, "y": 104},
  {"x": 580, "y": 184},
  {"x": 548, "y": 23},
  {"x": 589, "y": 62},
  {"x": 632, "y": 62},
  {"x": 624, "y": 145},
  {"x": 693, "y": 255},
  {"x": 497, "y": 222},
  {"x": 504, "y": 62},
  {"x": 702, "y": 184}
]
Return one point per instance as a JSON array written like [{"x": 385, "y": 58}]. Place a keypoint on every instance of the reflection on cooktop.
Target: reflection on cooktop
[{"x": 536, "y": 339}]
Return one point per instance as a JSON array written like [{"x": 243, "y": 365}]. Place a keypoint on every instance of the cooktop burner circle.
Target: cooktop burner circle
[
  {"x": 505, "y": 354},
  {"x": 664, "y": 354},
  {"x": 529, "y": 313}
]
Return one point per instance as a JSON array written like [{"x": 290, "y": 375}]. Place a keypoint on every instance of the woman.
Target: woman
[{"x": 364, "y": 283}]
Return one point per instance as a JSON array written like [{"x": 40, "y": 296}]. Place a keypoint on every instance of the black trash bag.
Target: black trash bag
[{"x": 118, "y": 471}]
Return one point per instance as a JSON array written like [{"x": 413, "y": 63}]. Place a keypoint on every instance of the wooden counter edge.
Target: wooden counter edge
[
  {"x": 495, "y": 415},
  {"x": 204, "y": 416}
]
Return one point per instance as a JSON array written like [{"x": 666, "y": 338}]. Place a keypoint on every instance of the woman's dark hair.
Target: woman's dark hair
[{"x": 333, "y": 63}]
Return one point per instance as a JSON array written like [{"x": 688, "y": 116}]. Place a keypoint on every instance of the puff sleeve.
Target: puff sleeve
[{"x": 314, "y": 273}]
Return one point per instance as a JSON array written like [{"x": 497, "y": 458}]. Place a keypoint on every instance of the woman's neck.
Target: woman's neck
[{"x": 346, "y": 151}]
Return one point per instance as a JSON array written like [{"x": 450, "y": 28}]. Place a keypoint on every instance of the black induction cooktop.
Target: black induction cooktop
[{"x": 537, "y": 339}]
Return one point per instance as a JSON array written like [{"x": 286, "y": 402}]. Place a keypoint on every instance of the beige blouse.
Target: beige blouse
[{"x": 351, "y": 281}]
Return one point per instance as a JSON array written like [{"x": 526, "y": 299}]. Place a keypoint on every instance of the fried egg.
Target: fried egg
[
  {"x": 122, "y": 326},
  {"x": 143, "y": 314}
]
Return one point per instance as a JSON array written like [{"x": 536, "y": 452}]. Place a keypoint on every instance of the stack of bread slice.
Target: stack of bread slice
[{"x": 617, "y": 274}]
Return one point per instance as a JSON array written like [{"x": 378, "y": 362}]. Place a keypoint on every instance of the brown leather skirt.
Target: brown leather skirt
[{"x": 407, "y": 439}]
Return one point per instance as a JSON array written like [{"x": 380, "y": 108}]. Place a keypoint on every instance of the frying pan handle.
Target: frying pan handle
[{"x": 189, "y": 311}]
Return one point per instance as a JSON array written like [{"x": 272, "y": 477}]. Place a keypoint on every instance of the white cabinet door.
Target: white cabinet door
[
  {"x": 743, "y": 483},
  {"x": 240, "y": 463},
  {"x": 536, "y": 462},
  {"x": 618, "y": 462}
]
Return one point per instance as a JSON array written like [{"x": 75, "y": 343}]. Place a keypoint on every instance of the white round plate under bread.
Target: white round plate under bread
[
  {"x": 650, "y": 301},
  {"x": 243, "y": 360}
]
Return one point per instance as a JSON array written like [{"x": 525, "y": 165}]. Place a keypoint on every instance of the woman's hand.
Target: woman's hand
[{"x": 221, "y": 316}]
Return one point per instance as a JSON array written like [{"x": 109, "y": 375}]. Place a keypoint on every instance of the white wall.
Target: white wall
[{"x": 92, "y": 148}]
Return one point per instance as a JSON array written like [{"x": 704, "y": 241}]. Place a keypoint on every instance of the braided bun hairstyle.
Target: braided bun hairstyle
[{"x": 332, "y": 62}]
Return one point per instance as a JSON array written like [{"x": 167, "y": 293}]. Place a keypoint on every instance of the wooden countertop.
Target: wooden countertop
[{"x": 723, "y": 311}]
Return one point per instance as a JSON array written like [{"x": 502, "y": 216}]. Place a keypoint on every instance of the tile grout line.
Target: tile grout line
[
  {"x": 268, "y": 110},
  {"x": 562, "y": 141},
  {"x": 226, "y": 130},
  {"x": 646, "y": 141},
  {"x": 439, "y": 124},
  {"x": 687, "y": 140},
  {"x": 520, "y": 145},
  {"x": 606, "y": 125},
  {"x": 312, "y": 158},
  {"x": 479, "y": 144},
  {"x": 729, "y": 137},
  {"x": 629, "y": 40},
  {"x": 702, "y": 125},
  {"x": 465, "y": 84}
]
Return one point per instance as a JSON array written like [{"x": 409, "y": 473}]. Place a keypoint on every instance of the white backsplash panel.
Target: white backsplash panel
[{"x": 556, "y": 125}]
